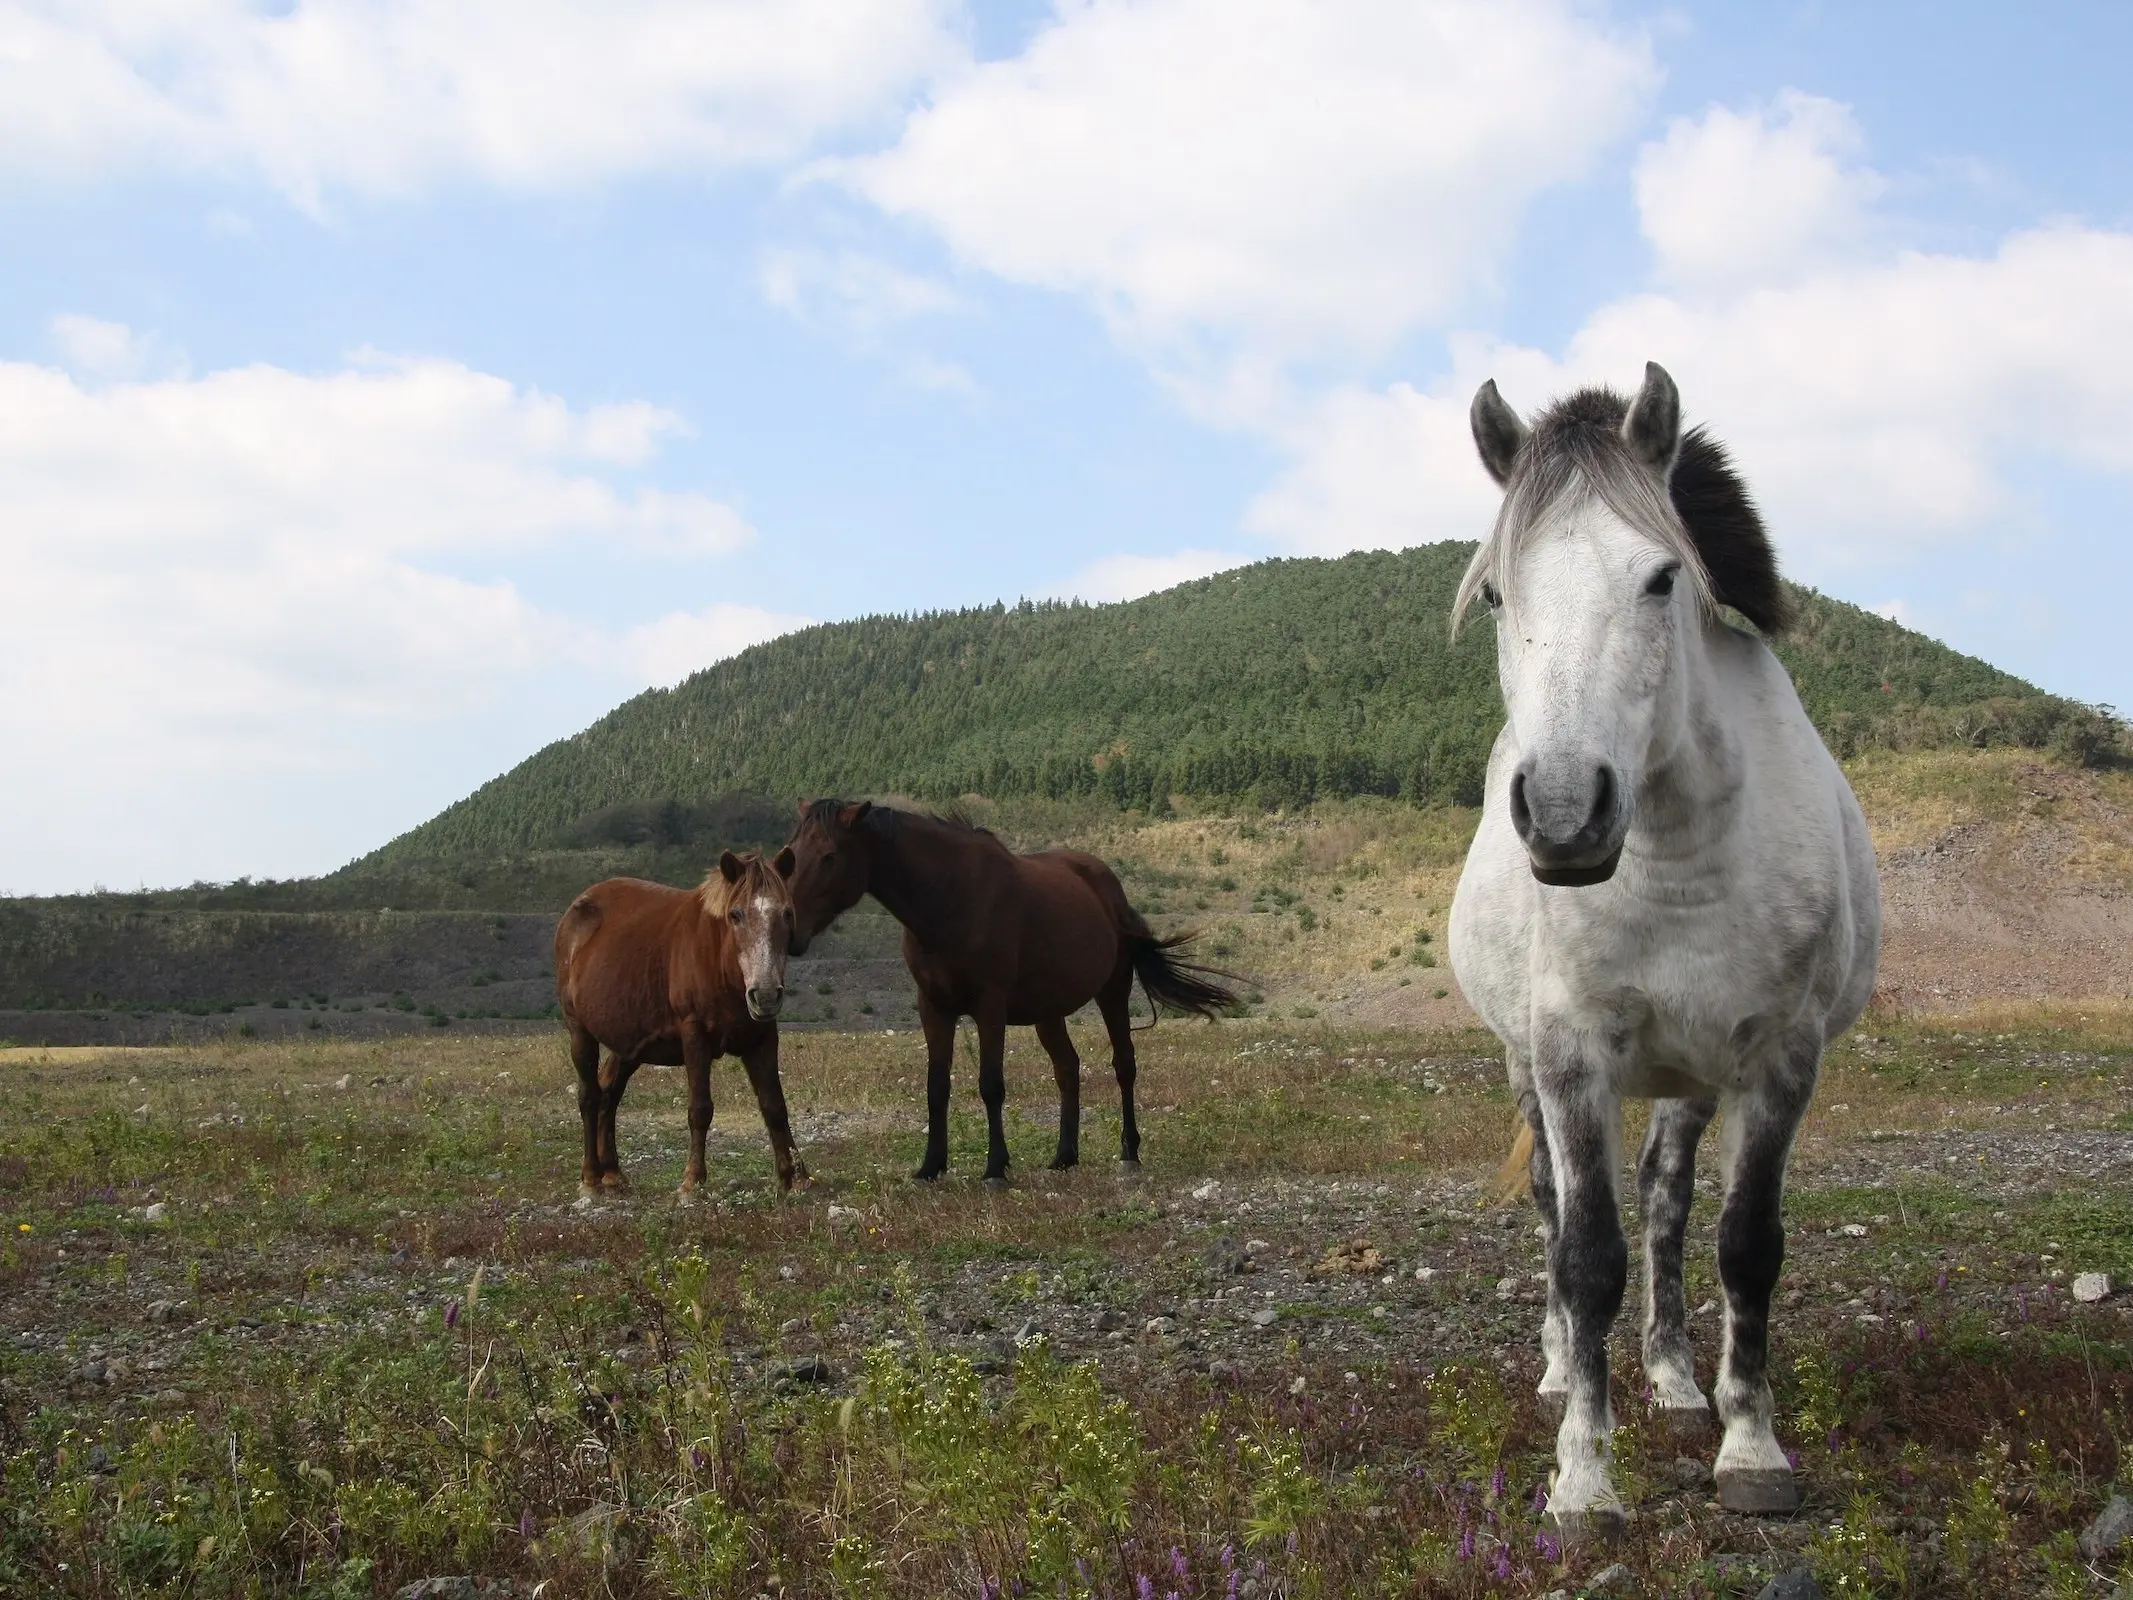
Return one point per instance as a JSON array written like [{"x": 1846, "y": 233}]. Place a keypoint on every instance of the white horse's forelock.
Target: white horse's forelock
[{"x": 1551, "y": 484}]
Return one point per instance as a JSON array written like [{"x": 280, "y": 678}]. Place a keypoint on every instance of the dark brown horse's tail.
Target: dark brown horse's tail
[{"x": 1178, "y": 985}]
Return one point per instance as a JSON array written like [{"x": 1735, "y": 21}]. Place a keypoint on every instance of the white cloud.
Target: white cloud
[
  {"x": 1304, "y": 176},
  {"x": 391, "y": 96},
  {"x": 1127, "y": 577},
  {"x": 1880, "y": 401},
  {"x": 101, "y": 349},
  {"x": 1742, "y": 198},
  {"x": 663, "y": 652},
  {"x": 258, "y": 580},
  {"x": 848, "y": 291}
]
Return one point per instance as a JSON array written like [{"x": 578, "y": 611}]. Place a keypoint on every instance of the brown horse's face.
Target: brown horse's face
[
  {"x": 831, "y": 870},
  {"x": 759, "y": 921}
]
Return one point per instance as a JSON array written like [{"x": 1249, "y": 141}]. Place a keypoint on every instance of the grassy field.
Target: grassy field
[{"x": 326, "y": 1319}]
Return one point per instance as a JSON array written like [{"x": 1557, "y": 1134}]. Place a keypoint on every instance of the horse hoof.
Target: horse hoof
[
  {"x": 928, "y": 1174},
  {"x": 1758, "y": 1491},
  {"x": 1065, "y": 1163},
  {"x": 1597, "y": 1526},
  {"x": 995, "y": 1180},
  {"x": 685, "y": 1198}
]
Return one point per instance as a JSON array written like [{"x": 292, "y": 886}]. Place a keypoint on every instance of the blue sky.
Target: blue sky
[{"x": 386, "y": 390}]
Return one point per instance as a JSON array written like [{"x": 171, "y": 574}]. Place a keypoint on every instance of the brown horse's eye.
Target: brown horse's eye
[{"x": 735, "y": 914}]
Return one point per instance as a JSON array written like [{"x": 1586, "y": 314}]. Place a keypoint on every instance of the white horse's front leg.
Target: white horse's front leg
[
  {"x": 1588, "y": 1268},
  {"x": 1666, "y": 1183},
  {"x": 1754, "y": 1474}
]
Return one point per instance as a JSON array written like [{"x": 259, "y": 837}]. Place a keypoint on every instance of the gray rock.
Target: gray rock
[
  {"x": 2109, "y": 1532},
  {"x": 1798, "y": 1584},
  {"x": 2090, "y": 1288},
  {"x": 456, "y": 1588},
  {"x": 1265, "y": 1317},
  {"x": 806, "y": 1369},
  {"x": 1616, "y": 1579},
  {"x": 1691, "y": 1473},
  {"x": 1109, "y": 1321}
]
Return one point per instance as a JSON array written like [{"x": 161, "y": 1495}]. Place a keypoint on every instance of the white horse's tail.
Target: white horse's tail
[{"x": 1514, "y": 1179}]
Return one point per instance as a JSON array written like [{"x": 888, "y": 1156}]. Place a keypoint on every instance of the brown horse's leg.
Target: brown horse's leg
[
  {"x": 940, "y": 1056},
  {"x": 992, "y": 1088},
  {"x": 585, "y": 1057},
  {"x": 614, "y": 1081},
  {"x": 762, "y": 1064},
  {"x": 696, "y": 1065},
  {"x": 1116, "y": 1004},
  {"x": 1066, "y": 1067}
]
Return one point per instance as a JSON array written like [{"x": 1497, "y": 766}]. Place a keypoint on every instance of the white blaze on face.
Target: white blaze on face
[
  {"x": 762, "y": 935},
  {"x": 1584, "y": 654}
]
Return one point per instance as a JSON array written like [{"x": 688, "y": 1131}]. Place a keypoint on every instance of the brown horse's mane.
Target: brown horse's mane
[
  {"x": 886, "y": 819},
  {"x": 719, "y": 896}
]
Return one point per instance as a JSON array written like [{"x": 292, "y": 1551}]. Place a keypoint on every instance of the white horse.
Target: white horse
[{"x": 1672, "y": 895}]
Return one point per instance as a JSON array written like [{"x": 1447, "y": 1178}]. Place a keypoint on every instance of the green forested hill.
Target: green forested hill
[{"x": 1274, "y": 684}]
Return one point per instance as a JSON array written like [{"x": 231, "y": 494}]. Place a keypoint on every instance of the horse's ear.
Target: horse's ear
[
  {"x": 729, "y": 867},
  {"x": 1498, "y": 433},
  {"x": 785, "y": 861},
  {"x": 1652, "y": 430},
  {"x": 855, "y": 813},
  {"x": 803, "y": 805}
]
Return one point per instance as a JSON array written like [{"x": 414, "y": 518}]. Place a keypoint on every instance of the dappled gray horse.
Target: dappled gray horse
[{"x": 1671, "y": 895}]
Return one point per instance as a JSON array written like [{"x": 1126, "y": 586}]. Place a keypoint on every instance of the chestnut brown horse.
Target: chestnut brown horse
[
  {"x": 1005, "y": 939},
  {"x": 677, "y": 977}
]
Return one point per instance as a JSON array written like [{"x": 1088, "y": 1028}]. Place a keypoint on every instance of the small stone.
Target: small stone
[
  {"x": 454, "y": 1588},
  {"x": 1506, "y": 1287},
  {"x": 807, "y": 1369},
  {"x": 1424, "y": 1274},
  {"x": 1110, "y": 1321},
  {"x": 1617, "y": 1579},
  {"x": 1207, "y": 1190},
  {"x": 1155, "y": 1327},
  {"x": 1798, "y": 1584},
  {"x": 1253, "y": 1247},
  {"x": 1691, "y": 1473},
  {"x": 2092, "y": 1287},
  {"x": 791, "y": 1326},
  {"x": 1265, "y": 1317},
  {"x": 1297, "y": 1384},
  {"x": 2109, "y": 1532},
  {"x": 164, "y": 1310},
  {"x": 582, "y": 1204},
  {"x": 156, "y": 1212},
  {"x": 344, "y": 1081},
  {"x": 787, "y": 1274},
  {"x": 168, "y": 1397},
  {"x": 843, "y": 1214},
  {"x": 1028, "y": 1331},
  {"x": 1853, "y": 1230}
]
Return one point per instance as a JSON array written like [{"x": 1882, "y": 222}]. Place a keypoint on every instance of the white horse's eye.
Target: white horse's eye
[
  {"x": 1662, "y": 582},
  {"x": 1490, "y": 598}
]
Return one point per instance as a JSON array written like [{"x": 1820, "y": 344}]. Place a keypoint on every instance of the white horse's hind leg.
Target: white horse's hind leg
[
  {"x": 1753, "y": 1473},
  {"x": 1666, "y": 1183},
  {"x": 1588, "y": 1269}
]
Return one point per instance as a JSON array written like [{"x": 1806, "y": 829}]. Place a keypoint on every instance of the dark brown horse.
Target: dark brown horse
[
  {"x": 679, "y": 977},
  {"x": 1005, "y": 939}
]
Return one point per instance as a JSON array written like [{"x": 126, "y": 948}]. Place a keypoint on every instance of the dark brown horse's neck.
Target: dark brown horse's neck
[{"x": 909, "y": 866}]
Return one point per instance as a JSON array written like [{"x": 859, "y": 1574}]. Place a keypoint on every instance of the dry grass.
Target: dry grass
[{"x": 322, "y": 1406}]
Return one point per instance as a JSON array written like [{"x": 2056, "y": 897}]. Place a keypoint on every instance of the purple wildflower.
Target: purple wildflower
[
  {"x": 1178, "y": 1568},
  {"x": 1540, "y": 1498},
  {"x": 526, "y": 1523},
  {"x": 451, "y": 1315},
  {"x": 1466, "y": 1543},
  {"x": 1496, "y": 1485},
  {"x": 1502, "y": 1568},
  {"x": 1228, "y": 1557},
  {"x": 988, "y": 1589},
  {"x": 1143, "y": 1586}
]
